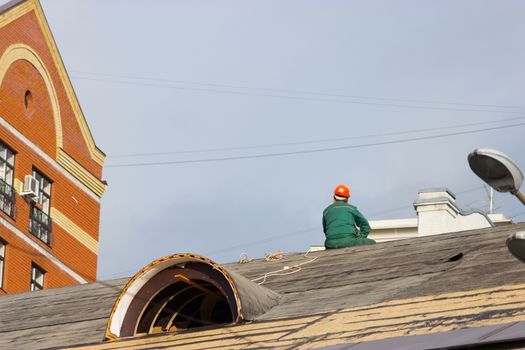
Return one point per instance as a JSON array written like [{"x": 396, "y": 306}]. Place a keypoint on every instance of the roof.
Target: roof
[
  {"x": 409, "y": 287},
  {"x": 57, "y": 317},
  {"x": 402, "y": 269}
]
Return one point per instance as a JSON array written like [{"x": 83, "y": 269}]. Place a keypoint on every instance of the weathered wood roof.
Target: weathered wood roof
[
  {"x": 388, "y": 289},
  {"x": 367, "y": 275},
  {"x": 57, "y": 317}
]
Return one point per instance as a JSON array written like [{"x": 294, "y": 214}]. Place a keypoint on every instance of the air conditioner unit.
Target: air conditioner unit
[{"x": 30, "y": 188}]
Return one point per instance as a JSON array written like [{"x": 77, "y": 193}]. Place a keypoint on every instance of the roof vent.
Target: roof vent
[{"x": 184, "y": 291}]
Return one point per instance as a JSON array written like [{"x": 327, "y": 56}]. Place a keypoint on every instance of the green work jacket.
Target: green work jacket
[{"x": 340, "y": 223}]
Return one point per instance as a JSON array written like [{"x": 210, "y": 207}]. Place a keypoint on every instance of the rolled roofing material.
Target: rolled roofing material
[{"x": 255, "y": 299}]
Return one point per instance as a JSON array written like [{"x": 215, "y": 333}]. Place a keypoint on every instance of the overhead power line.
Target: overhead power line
[
  {"x": 288, "y": 91},
  {"x": 318, "y": 150},
  {"x": 517, "y": 215},
  {"x": 262, "y": 241},
  {"x": 309, "y": 142},
  {"x": 411, "y": 205},
  {"x": 280, "y": 236},
  {"x": 312, "y": 229},
  {"x": 304, "y": 98}
]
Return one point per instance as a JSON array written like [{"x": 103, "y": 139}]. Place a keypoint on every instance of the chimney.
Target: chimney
[{"x": 437, "y": 213}]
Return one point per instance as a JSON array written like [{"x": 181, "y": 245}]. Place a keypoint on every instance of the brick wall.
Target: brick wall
[
  {"x": 26, "y": 30},
  {"x": 35, "y": 121}
]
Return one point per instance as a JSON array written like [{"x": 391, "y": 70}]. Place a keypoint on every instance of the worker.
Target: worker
[{"x": 343, "y": 225}]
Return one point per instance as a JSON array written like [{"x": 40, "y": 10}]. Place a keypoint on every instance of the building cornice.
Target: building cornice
[
  {"x": 79, "y": 172},
  {"x": 76, "y": 232}
]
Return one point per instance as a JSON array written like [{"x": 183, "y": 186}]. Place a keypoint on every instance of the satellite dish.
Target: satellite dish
[
  {"x": 496, "y": 169},
  {"x": 516, "y": 245}
]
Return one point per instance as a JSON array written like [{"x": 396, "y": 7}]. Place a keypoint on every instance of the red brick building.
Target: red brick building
[{"x": 48, "y": 233}]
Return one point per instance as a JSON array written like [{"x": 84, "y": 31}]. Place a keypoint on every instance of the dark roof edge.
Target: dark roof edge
[{"x": 9, "y": 5}]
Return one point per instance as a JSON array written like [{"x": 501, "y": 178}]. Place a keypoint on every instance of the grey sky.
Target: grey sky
[{"x": 467, "y": 52}]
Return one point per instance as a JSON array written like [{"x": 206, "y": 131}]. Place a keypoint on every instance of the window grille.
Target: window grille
[
  {"x": 7, "y": 193},
  {"x": 39, "y": 220},
  {"x": 2, "y": 263}
]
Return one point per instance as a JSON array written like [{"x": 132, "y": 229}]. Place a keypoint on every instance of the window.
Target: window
[
  {"x": 40, "y": 222},
  {"x": 37, "y": 278},
  {"x": 45, "y": 191},
  {"x": 2, "y": 262},
  {"x": 7, "y": 194}
]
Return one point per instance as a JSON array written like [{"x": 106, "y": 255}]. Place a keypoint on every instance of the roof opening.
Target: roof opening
[
  {"x": 456, "y": 257},
  {"x": 184, "y": 291},
  {"x": 185, "y": 304}
]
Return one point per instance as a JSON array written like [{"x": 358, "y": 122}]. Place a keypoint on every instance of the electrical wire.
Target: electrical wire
[
  {"x": 315, "y": 228},
  {"x": 303, "y": 98},
  {"x": 318, "y": 150},
  {"x": 516, "y": 215},
  {"x": 296, "y": 92},
  {"x": 262, "y": 241},
  {"x": 287, "y": 234},
  {"x": 411, "y": 205},
  {"x": 311, "y": 141}
]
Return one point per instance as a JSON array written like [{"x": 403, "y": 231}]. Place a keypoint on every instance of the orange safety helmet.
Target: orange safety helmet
[{"x": 342, "y": 190}]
